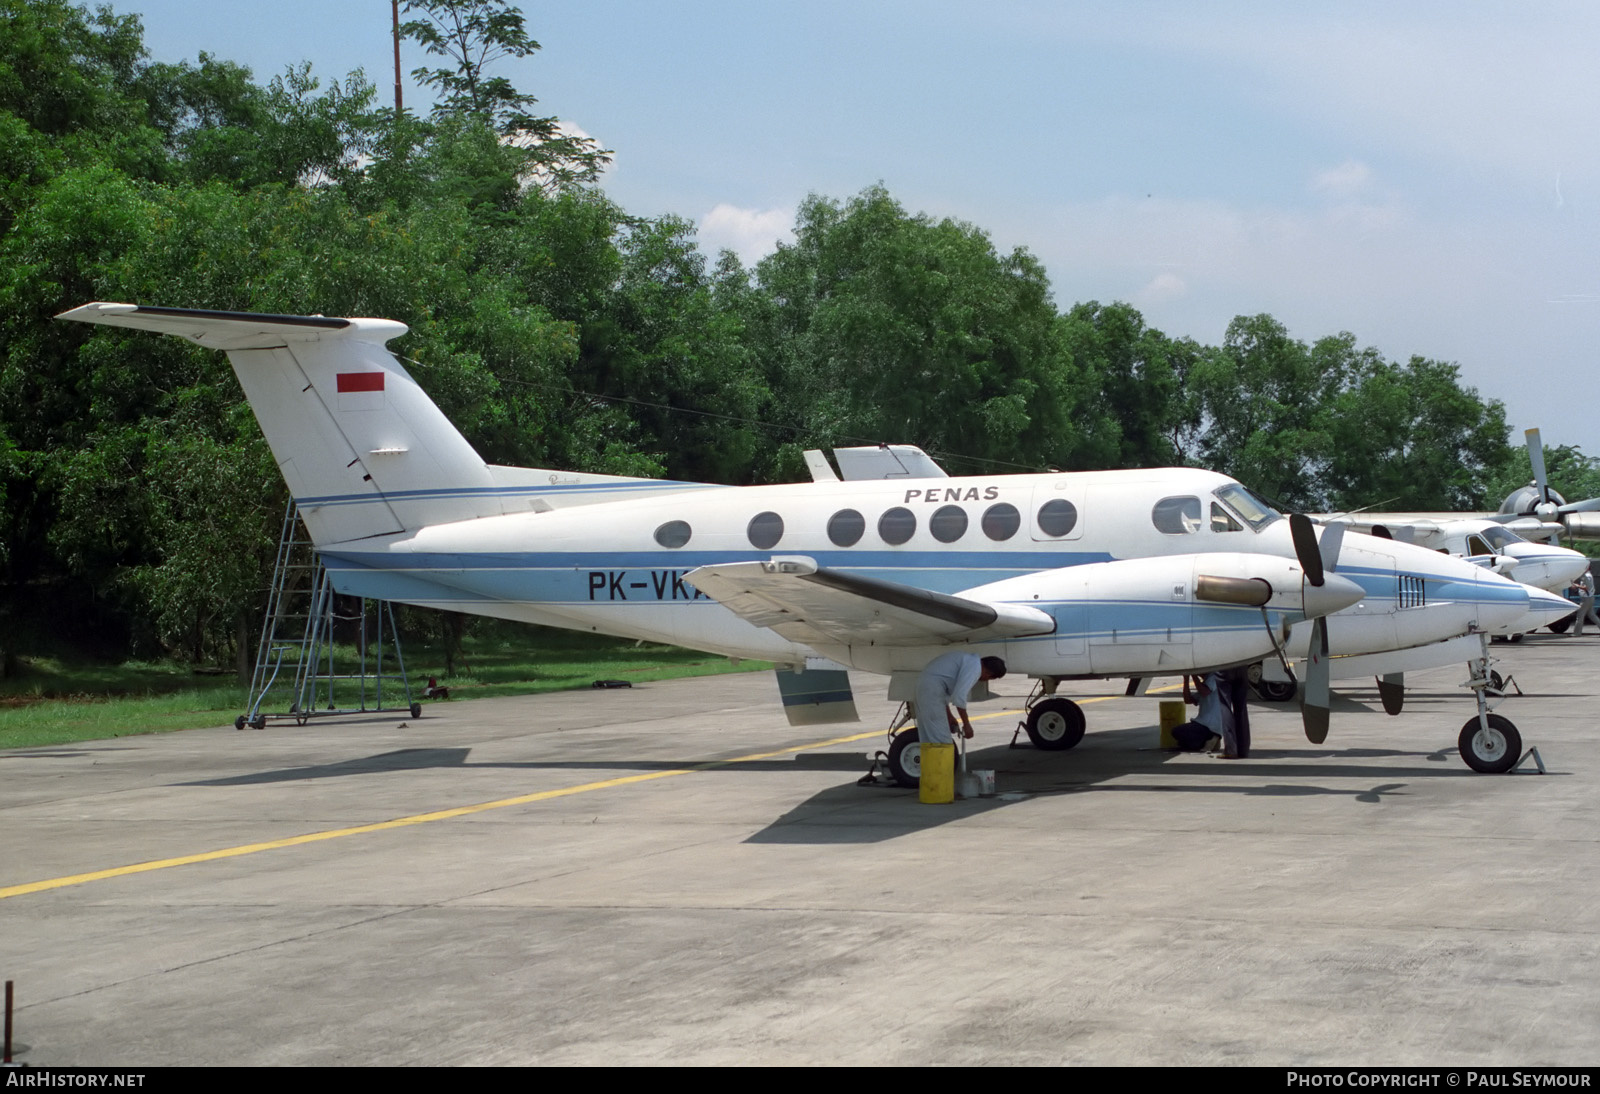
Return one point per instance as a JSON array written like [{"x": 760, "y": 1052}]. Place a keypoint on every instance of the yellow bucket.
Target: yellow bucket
[
  {"x": 1173, "y": 715},
  {"x": 938, "y": 783}
]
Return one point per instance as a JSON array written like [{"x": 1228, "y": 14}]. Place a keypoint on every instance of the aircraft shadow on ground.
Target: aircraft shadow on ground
[
  {"x": 421, "y": 759},
  {"x": 1109, "y": 760}
]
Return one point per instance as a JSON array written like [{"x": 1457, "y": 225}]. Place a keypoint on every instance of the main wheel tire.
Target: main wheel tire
[
  {"x": 1492, "y": 752},
  {"x": 1275, "y": 691},
  {"x": 905, "y": 759},
  {"x": 1561, "y": 626},
  {"x": 1055, "y": 725}
]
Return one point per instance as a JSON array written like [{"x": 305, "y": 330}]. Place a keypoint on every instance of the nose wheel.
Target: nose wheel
[{"x": 1491, "y": 745}]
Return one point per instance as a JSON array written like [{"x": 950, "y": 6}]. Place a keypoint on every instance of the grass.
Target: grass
[{"x": 58, "y": 700}]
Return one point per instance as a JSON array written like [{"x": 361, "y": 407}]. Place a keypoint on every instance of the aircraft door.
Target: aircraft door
[{"x": 1056, "y": 511}]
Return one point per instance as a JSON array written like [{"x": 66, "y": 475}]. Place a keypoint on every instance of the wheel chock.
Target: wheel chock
[{"x": 1537, "y": 759}]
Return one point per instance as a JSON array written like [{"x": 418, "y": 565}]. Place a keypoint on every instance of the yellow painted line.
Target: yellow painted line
[{"x": 441, "y": 814}]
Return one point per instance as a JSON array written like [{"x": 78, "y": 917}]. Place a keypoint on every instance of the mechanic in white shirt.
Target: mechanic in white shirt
[{"x": 946, "y": 682}]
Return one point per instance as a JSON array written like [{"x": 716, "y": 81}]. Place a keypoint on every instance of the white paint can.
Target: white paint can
[{"x": 977, "y": 784}]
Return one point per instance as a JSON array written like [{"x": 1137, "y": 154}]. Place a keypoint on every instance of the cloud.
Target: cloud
[
  {"x": 748, "y": 233},
  {"x": 1161, "y": 288},
  {"x": 1350, "y": 178}
]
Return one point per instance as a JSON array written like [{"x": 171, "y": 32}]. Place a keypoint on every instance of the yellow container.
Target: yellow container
[
  {"x": 938, "y": 783},
  {"x": 1172, "y": 716}
]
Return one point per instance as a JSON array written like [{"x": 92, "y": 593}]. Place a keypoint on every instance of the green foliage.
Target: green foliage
[
  {"x": 884, "y": 326},
  {"x": 471, "y": 35},
  {"x": 138, "y": 501}
]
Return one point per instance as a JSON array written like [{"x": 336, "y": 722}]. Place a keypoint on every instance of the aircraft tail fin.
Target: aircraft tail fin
[{"x": 364, "y": 450}]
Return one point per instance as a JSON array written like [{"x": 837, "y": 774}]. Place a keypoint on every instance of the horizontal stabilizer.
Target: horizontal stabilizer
[
  {"x": 795, "y": 598},
  {"x": 226, "y": 330}
]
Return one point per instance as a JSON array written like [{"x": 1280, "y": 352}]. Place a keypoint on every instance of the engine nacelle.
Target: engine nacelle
[{"x": 1582, "y": 525}]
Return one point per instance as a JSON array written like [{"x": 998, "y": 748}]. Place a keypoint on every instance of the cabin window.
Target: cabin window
[
  {"x": 674, "y": 533},
  {"x": 1057, "y": 517},
  {"x": 897, "y": 526},
  {"x": 1001, "y": 521},
  {"x": 1176, "y": 516},
  {"x": 765, "y": 530},
  {"x": 846, "y": 527},
  {"x": 1477, "y": 545},
  {"x": 1222, "y": 520},
  {"x": 948, "y": 523}
]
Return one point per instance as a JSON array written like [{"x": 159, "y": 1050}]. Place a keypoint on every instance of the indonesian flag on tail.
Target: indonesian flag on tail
[{"x": 360, "y": 390}]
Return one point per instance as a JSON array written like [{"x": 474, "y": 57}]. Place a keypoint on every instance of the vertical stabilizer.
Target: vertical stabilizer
[{"x": 364, "y": 450}]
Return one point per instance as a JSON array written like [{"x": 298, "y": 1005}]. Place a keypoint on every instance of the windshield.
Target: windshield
[
  {"x": 1500, "y": 537},
  {"x": 1248, "y": 506}
]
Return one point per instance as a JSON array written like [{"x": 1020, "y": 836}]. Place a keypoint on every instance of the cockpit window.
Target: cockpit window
[
  {"x": 1499, "y": 538},
  {"x": 1222, "y": 520},
  {"x": 1176, "y": 516},
  {"x": 1247, "y": 505},
  {"x": 1477, "y": 545}
]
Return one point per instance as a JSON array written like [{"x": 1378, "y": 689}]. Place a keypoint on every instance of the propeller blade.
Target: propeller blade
[
  {"x": 1536, "y": 457},
  {"x": 1314, "y": 703},
  {"x": 1392, "y": 690},
  {"x": 1304, "y": 534},
  {"x": 1588, "y": 505},
  {"x": 1328, "y": 549}
]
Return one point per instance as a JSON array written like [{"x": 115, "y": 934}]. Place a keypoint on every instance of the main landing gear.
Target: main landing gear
[
  {"x": 1053, "y": 723},
  {"x": 1489, "y": 743}
]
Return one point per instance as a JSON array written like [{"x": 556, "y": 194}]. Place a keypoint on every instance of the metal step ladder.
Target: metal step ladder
[{"x": 299, "y": 674}]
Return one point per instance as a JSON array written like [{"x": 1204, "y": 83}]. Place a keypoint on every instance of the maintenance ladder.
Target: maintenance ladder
[{"x": 297, "y": 666}]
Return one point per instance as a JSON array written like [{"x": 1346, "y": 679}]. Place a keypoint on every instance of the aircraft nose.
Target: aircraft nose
[
  {"x": 1547, "y": 607},
  {"x": 1335, "y": 593}
]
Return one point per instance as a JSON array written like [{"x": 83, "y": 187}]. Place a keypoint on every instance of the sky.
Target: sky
[{"x": 1424, "y": 175}]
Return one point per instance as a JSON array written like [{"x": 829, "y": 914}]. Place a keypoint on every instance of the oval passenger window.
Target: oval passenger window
[
  {"x": 846, "y": 527},
  {"x": 1001, "y": 521},
  {"x": 1057, "y": 517},
  {"x": 897, "y": 526},
  {"x": 765, "y": 530},
  {"x": 948, "y": 523},
  {"x": 674, "y": 533}
]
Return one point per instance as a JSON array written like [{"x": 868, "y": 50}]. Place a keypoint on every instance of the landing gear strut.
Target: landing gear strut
[
  {"x": 1272, "y": 691},
  {"x": 1489, "y": 743}
]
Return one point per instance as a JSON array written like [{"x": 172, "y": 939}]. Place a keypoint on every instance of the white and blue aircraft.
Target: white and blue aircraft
[{"x": 1065, "y": 575}]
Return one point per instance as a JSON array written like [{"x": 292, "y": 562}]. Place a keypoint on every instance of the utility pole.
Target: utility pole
[{"x": 394, "y": 7}]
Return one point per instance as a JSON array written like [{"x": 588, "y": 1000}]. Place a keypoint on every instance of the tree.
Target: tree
[
  {"x": 1261, "y": 401},
  {"x": 1411, "y": 438},
  {"x": 1146, "y": 414},
  {"x": 471, "y": 35},
  {"x": 884, "y": 326}
]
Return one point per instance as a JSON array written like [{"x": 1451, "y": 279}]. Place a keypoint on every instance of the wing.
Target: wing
[{"x": 804, "y": 603}]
